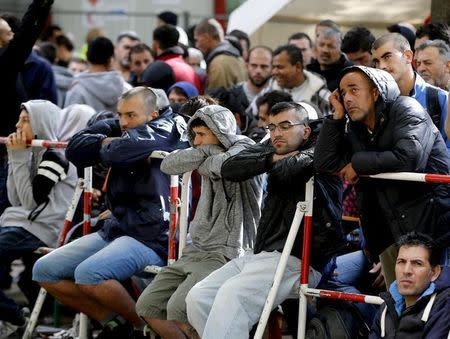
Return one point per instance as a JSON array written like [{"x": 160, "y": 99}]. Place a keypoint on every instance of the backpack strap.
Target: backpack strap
[
  {"x": 426, "y": 312},
  {"x": 433, "y": 106},
  {"x": 383, "y": 322}
]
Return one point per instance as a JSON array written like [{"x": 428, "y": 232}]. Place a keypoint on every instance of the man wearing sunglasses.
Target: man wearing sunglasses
[{"x": 230, "y": 300}]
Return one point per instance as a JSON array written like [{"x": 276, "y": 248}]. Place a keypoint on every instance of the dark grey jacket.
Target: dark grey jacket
[{"x": 404, "y": 140}]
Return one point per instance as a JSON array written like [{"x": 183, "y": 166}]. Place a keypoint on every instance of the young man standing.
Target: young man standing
[{"x": 224, "y": 225}]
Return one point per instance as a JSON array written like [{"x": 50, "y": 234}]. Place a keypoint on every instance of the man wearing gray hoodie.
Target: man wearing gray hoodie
[
  {"x": 99, "y": 87},
  {"x": 40, "y": 185},
  {"x": 224, "y": 225}
]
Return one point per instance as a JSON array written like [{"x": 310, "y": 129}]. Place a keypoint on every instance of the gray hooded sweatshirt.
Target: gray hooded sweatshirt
[
  {"x": 228, "y": 212},
  {"x": 45, "y": 121},
  {"x": 99, "y": 90}
]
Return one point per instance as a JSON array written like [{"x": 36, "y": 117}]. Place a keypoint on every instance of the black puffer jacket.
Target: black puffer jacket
[
  {"x": 286, "y": 187},
  {"x": 404, "y": 140}
]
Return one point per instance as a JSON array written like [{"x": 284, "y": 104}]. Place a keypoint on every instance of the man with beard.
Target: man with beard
[
  {"x": 259, "y": 67},
  {"x": 124, "y": 42}
]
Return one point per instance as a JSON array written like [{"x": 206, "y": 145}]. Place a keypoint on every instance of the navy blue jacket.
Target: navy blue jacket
[
  {"x": 407, "y": 323},
  {"x": 38, "y": 79},
  {"x": 137, "y": 191}
]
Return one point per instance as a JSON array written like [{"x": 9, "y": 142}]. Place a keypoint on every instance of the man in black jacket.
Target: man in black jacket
[
  {"x": 386, "y": 133},
  {"x": 230, "y": 300}
]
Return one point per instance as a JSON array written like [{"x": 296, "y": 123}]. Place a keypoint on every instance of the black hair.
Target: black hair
[
  {"x": 240, "y": 35},
  {"x": 166, "y": 35},
  {"x": 299, "y": 110},
  {"x": 273, "y": 97},
  {"x": 139, "y": 48},
  {"x": 294, "y": 53},
  {"x": 301, "y": 35},
  {"x": 48, "y": 51},
  {"x": 168, "y": 17},
  {"x": 419, "y": 239},
  {"x": 356, "y": 39},
  {"x": 234, "y": 41},
  {"x": 435, "y": 30},
  {"x": 100, "y": 51},
  {"x": 194, "y": 104},
  {"x": 197, "y": 122},
  {"x": 48, "y": 32},
  {"x": 62, "y": 40}
]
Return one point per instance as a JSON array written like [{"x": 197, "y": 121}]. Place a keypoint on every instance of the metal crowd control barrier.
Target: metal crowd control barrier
[
  {"x": 304, "y": 209},
  {"x": 40, "y": 143}
]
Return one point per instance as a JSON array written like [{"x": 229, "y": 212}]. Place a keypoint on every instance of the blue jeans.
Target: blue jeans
[
  {"x": 15, "y": 242},
  {"x": 350, "y": 268},
  {"x": 91, "y": 260}
]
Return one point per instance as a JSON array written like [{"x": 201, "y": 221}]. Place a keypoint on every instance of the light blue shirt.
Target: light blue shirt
[{"x": 420, "y": 94}]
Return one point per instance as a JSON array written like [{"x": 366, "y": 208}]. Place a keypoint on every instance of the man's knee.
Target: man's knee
[{"x": 43, "y": 271}]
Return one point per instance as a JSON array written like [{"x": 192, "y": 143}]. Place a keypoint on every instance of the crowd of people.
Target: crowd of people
[{"x": 254, "y": 125}]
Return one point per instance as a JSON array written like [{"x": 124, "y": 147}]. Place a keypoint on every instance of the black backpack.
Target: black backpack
[
  {"x": 337, "y": 320},
  {"x": 433, "y": 105}
]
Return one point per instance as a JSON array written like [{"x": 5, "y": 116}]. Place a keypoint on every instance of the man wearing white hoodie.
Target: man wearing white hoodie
[
  {"x": 40, "y": 185},
  {"x": 101, "y": 86}
]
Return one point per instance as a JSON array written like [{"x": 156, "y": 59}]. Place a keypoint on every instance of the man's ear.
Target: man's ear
[
  {"x": 409, "y": 56},
  {"x": 435, "y": 272},
  {"x": 306, "y": 132},
  {"x": 154, "y": 115},
  {"x": 376, "y": 94}
]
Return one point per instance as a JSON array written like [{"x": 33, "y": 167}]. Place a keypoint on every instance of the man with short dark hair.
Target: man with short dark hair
[
  {"x": 265, "y": 102},
  {"x": 140, "y": 56},
  {"x": 225, "y": 67},
  {"x": 290, "y": 76},
  {"x": 86, "y": 274},
  {"x": 432, "y": 31},
  {"x": 357, "y": 46},
  {"x": 303, "y": 41},
  {"x": 101, "y": 86},
  {"x": 433, "y": 63},
  {"x": 329, "y": 58},
  {"x": 392, "y": 53},
  {"x": 386, "y": 133},
  {"x": 418, "y": 302},
  {"x": 165, "y": 46},
  {"x": 230, "y": 300},
  {"x": 124, "y": 42}
]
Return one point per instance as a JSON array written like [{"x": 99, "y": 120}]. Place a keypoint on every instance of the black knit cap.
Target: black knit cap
[{"x": 169, "y": 17}]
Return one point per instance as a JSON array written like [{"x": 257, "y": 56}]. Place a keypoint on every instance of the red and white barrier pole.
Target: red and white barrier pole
[
  {"x": 87, "y": 209},
  {"x": 302, "y": 209},
  {"x": 184, "y": 212},
  {"x": 40, "y": 143},
  {"x": 354, "y": 297},
  {"x": 173, "y": 219},
  {"x": 306, "y": 250},
  {"x": 417, "y": 177}
]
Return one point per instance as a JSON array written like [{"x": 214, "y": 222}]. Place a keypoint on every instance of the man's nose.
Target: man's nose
[{"x": 407, "y": 269}]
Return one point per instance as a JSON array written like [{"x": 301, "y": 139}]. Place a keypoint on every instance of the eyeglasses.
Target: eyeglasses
[{"x": 282, "y": 126}]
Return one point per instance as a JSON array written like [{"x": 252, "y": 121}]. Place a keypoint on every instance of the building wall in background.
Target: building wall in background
[{"x": 76, "y": 17}]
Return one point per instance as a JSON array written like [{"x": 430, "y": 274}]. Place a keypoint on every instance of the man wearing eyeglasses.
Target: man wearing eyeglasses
[{"x": 230, "y": 300}]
